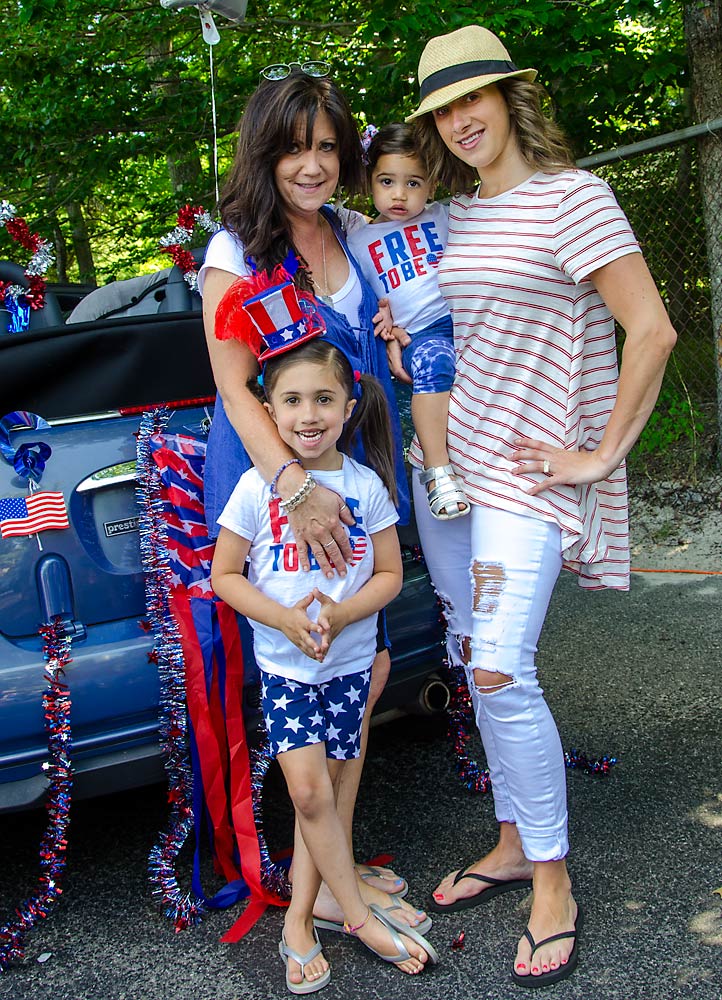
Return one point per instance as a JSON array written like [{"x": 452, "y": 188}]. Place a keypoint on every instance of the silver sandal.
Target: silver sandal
[
  {"x": 447, "y": 495},
  {"x": 396, "y": 933},
  {"x": 402, "y": 954},
  {"x": 306, "y": 985}
]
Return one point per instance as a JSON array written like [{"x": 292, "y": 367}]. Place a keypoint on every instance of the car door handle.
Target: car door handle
[{"x": 123, "y": 472}]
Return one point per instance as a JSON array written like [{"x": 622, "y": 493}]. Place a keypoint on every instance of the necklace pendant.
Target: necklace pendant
[{"x": 326, "y": 299}]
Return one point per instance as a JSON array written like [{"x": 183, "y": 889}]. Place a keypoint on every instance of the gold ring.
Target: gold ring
[{"x": 547, "y": 467}]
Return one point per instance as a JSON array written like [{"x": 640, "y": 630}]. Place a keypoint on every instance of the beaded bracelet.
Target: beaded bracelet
[
  {"x": 274, "y": 481},
  {"x": 306, "y": 487}
]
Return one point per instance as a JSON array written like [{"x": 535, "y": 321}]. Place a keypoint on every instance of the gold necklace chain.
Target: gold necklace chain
[{"x": 324, "y": 296}]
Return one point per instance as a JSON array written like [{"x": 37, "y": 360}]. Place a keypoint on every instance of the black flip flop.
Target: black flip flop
[
  {"x": 496, "y": 887},
  {"x": 553, "y": 975}
]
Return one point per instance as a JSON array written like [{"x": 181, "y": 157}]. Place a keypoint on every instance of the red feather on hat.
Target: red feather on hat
[{"x": 232, "y": 320}]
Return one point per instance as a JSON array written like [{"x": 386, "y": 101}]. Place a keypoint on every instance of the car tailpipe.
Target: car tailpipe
[{"x": 433, "y": 697}]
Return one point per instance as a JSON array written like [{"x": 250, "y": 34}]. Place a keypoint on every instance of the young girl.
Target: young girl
[
  {"x": 315, "y": 638},
  {"x": 399, "y": 253}
]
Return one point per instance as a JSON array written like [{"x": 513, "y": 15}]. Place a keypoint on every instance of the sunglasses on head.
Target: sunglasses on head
[{"x": 279, "y": 71}]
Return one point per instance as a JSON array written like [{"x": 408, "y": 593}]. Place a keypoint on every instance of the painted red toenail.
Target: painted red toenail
[
  {"x": 534, "y": 969},
  {"x": 521, "y": 966}
]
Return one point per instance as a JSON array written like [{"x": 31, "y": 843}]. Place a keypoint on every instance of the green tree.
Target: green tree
[{"x": 106, "y": 110}]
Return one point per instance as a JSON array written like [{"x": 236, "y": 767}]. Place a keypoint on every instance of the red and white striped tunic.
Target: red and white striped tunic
[{"x": 536, "y": 354}]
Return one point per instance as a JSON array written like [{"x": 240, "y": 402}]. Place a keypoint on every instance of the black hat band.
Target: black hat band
[{"x": 465, "y": 71}]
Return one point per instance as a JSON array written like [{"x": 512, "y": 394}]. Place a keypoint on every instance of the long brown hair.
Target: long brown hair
[
  {"x": 370, "y": 421},
  {"x": 542, "y": 143},
  {"x": 251, "y": 207}
]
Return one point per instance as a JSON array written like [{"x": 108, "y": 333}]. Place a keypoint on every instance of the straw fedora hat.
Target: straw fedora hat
[{"x": 455, "y": 64}]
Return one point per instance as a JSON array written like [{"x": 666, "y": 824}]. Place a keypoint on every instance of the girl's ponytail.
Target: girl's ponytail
[{"x": 371, "y": 422}]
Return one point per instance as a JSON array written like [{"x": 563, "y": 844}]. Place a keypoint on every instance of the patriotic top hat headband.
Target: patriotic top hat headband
[
  {"x": 281, "y": 319},
  {"x": 269, "y": 311},
  {"x": 269, "y": 314}
]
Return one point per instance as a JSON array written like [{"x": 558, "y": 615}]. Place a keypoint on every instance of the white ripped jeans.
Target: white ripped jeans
[{"x": 494, "y": 572}]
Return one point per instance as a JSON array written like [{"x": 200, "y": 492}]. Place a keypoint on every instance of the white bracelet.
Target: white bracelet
[{"x": 307, "y": 486}]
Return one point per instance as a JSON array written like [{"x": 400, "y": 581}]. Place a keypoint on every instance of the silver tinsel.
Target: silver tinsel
[
  {"x": 7, "y": 212},
  {"x": 41, "y": 259}
]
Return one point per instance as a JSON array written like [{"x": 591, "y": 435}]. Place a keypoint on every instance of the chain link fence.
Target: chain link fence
[{"x": 657, "y": 183}]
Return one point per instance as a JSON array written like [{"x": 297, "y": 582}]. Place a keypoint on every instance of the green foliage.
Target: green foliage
[
  {"x": 98, "y": 99},
  {"x": 675, "y": 419},
  {"x": 660, "y": 194}
]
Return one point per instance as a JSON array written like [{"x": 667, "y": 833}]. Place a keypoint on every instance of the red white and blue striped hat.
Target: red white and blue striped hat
[
  {"x": 280, "y": 318},
  {"x": 269, "y": 313}
]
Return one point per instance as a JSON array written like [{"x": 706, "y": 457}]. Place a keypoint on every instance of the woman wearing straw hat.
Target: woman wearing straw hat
[{"x": 540, "y": 263}]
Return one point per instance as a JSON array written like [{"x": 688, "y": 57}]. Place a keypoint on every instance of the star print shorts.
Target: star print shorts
[{"x": 297, "y": 714}]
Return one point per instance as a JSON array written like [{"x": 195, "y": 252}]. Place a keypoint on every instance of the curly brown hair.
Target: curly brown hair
[{"x": 542, "y": 143}]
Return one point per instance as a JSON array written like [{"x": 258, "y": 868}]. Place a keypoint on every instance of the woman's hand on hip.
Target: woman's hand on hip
[
  {"x": 319, "y": 524},
  {"x": 558, "y": 466}
]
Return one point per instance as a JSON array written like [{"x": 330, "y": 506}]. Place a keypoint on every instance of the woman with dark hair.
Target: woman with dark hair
[
  {"x": 297, "y": 143},
  {"x": 539, "y": 264}
]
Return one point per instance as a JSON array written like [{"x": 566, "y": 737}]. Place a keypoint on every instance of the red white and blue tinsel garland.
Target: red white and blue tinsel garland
[
  {"x": 173, "y": 243},
  {"x": 182, "y": 907},
  {"x": 56, "y": 707},
  {"x": 462, "y": 726},
  {"x": 194, "y": 634},
  {"x": 17, "y": 300}
]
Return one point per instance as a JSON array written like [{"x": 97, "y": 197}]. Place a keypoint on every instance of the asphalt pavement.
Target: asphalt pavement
[{"x": 632, "y": 675}]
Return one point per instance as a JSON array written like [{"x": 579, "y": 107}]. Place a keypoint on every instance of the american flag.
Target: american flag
[
  {"x": 36, "y": 512},
  {"x": 359, "y": 545}
]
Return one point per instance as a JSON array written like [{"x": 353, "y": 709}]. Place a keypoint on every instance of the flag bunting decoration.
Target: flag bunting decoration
[{"x": 200, "y": 656}]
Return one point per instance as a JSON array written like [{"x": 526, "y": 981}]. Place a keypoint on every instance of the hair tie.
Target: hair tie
[
  {"x": 366, "y": 137},
  {"x": 356, "y": 375}
]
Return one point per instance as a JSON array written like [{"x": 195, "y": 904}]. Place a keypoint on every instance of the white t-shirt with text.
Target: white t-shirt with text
[
  {"x": 401, "y": 260},
  {"x": 275, "y": 570}
]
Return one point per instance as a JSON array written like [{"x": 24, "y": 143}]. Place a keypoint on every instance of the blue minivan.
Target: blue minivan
[{"x": 90, "y": 372}]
